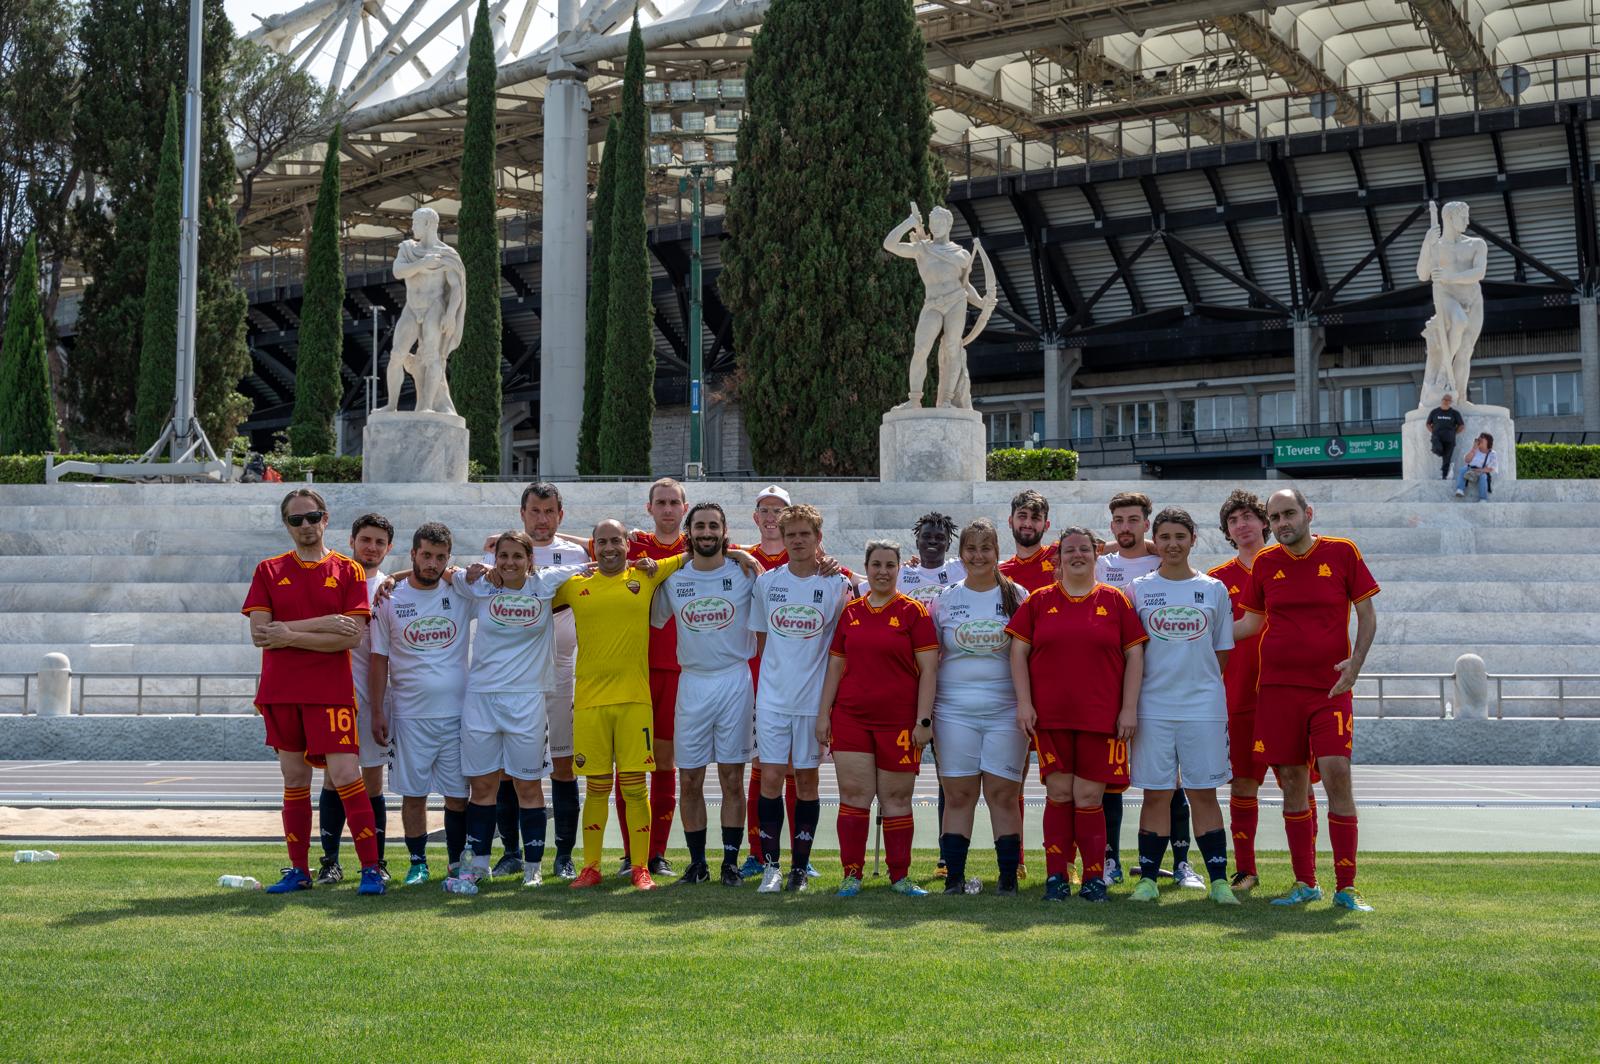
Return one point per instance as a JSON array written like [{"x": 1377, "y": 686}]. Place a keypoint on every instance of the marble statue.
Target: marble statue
[
  {"x": 946, "y": 271},
  {"x": 432, "y": 319},
  {"x": 1455, "y": 264}
]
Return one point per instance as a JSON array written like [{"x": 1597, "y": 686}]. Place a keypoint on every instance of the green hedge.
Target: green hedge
[
  {"x": 1558, "y": 461},
  {"x": 1039, "y": 463}
]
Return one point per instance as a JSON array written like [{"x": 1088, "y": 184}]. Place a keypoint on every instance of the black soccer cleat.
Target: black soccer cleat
[
  {"x": 660, "y": 869},
  {"x": 1093, "y": 890},
  {"x": 697, "y": 872},
  {"x": 330, "y": 872},
  {"x": 731, "y": 877}
]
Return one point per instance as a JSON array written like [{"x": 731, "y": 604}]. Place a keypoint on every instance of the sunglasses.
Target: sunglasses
[{"x": 315, "y": 517}]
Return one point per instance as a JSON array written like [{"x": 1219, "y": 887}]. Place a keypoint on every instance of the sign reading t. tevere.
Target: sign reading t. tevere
[{"x": 1380, "y": 447}]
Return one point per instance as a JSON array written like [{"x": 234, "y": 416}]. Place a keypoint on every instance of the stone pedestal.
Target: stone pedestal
[
  {"x": 412, "y": 448},
  {"x": 1418, "y": 462},
  {"x": 940, "y": 443}
]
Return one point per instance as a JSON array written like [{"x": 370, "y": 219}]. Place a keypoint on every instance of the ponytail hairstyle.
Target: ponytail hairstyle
[{"x": 1009, "y": 598}]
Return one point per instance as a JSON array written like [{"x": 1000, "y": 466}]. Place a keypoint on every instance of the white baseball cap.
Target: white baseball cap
[{"x": 772, "y": 491}]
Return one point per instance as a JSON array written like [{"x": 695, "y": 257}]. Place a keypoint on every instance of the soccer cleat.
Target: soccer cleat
[
  {"x": 731, "y": 876},
  {"x": 625, "y": 869},
  {"x": 751, "y": 867},
  {"x": 1094, "y": 890},
  {"x": 1244, "y": 881},
  {"x": 697, "y": 872},
  {"x": 660, "y": 867},
  {"x": 508, "y": 865},
  {"x": 589, "y": 877},
  {"x": 1299, "y": 895},
  {"x": 798, "y": 881},
  {"x": 954, "y": 886},
  {"x": 417, "y": 874},
  {"x": 973, "y": 885},
  {"x": 811, "y": 871},
  {"x": 771, "y": 880},
  {"x": 383, "y": 872},
  {"x": 642, "y": 880},
  {"x": 908, "y": 888},
  {"x": 465, "y": 883},
  {"x": 565, "y": 869},
  {"x": 1113, "y": 874},
  {"x": 1350, "y": 898},
  {"x": 1221, "y": 893},
  {"x": 372, "y": 881},
  {"x": 1185, "y": 876},
  {"x": 850, "y": 887},
  {"x": 1006, "y": 891},
  {"x": 532, "y": 874},
  {"x": 293, "y": 879},
  {"x": 1057, "y": 888},
  {"x": 330, "y": 872},
  {"x": 940, "y": 870},
  {"x": 1145, "y": 890}
]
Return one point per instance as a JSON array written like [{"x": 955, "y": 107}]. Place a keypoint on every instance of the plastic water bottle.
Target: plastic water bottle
[
  {"x": 31, "y": 856},
  {"x": 239, "y": 882}
]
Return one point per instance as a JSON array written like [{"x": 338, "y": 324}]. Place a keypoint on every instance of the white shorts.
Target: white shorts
[
  {"x": 372, "y": 755},
  {"x": 427, "y": 757},
  {"x": 715, "y": 718},
  {"x": 786, "y": 739},
  {"x": 558, "y": 711},
  {"x": 1164, "y": 749},
  {"x": 968, "y": 746},
  {"x": 504, "y": 731}
]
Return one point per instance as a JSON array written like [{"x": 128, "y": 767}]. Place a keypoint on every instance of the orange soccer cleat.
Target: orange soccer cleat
[
  {"x": 589, "y": 877},
  {"x": 641, "y": 878}
]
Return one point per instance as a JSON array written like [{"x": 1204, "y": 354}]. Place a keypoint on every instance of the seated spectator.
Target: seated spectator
[{"x": 1478, "y": 467}]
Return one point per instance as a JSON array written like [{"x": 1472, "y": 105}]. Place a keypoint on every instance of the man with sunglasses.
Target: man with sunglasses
[{"x": 308, "y": 608}]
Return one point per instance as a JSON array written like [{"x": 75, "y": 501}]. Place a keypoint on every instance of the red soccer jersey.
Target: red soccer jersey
[
  {"x": 1243, "y": 673},
  {"x": 1033, "y": 572},
  {"x": 663, "y": 641},
  {"x": 879, "y": 645},
  {"x": 295, "y": 590},
  {"x": 767, "y": 561},
  {"x": 1307, "y": 601},
  {"x": 1078, "y": 650}
]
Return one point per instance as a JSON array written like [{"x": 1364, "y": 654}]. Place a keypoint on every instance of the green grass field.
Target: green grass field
[{"x": 121, "y": 952}]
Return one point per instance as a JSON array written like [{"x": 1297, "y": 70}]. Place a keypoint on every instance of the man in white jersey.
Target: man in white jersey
[
  {"x": 710, "y": 602},
  {"x": 419, "y": 651},
  {"x": 1183, "y": 706},
  {"x": 371, "y": 538},
  {"x": 793, "y": 616},
  {"x": 931, "y": 572},
  {"x": 542, "y": 514}
]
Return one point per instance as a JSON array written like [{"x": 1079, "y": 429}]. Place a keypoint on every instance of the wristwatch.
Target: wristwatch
[{"x": 925, "y": 722}]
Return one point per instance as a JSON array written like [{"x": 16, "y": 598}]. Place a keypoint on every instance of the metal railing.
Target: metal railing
[{"x": 136, "y": 694}]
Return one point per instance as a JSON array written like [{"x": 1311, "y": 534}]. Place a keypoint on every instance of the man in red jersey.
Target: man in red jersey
[
  {"x": 1033, "y": 565},
  {"x": 1302, "y": 589},
  {"x": 307, "y": 608}
]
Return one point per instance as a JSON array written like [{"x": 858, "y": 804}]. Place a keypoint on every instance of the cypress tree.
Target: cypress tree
[
  {"x": 834, "y": 144},
  {"x": 159, "y": 341},
  {"x": 475, "y": 367},
  {"x": 317, "y": 384},
  {"x": 628, "y": 403},
  {"x": 599, "y": 306},
  {"x": 27, "y": 417}
]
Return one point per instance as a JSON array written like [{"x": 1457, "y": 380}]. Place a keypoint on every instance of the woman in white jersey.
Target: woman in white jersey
[
  {"x": 503, "y": 720},
  {"x": 975, "y": 710},
  {"x": 1183, "y": 705}
]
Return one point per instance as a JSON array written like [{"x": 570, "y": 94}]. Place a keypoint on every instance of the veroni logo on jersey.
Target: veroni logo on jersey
[
  {"x": 428, "y": 633},
  {"x": 1177, "y": 624}
]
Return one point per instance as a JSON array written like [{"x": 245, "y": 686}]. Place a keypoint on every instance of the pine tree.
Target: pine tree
[
  {"x": 834, "y": 144},
  {"x": 628, "y": 403},
  {"x": 159, "y": 340},
  {"x": 317, "y": 385},
  {"x": 475, "y": 367},
  {"x": 27, "y": 417},
  {"x": 599, "y": 306}
]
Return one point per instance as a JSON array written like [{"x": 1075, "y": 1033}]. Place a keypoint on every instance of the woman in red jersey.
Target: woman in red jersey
[
  {"x": 1077, "y": 659},
  {"x": 877, "y": 711}
]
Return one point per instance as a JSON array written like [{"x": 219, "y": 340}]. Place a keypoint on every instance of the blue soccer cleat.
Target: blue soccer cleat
[
  {"x": 904, "y": 886},
  {"x": 293, "y": 879},
  {"x": 1299, "y": 895},
  {"x": 1057, "y": 888},
  {"x": 372, "y": 881},
  {"x": 751, "y": 868},
  {"x": 850, "y": 887},
  {"x": 1350, "y": 898}
]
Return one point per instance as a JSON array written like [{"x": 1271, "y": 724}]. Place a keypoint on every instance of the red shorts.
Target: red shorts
[
  {"x": 664, "y": 701},
  {"x": 1295, "y": 725},
  {"x": 314, "y": 730},
  {"x": 893, "y": 748},
  {"x": 1088, "y": 755}
]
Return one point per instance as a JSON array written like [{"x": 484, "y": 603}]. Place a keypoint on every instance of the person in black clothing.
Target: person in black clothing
[{"x": 1444, "y": 422}]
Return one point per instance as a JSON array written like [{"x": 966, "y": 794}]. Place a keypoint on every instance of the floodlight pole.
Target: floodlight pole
[
  {"x": 185, "y": 432},
  {"x": 697, "y": 184}
]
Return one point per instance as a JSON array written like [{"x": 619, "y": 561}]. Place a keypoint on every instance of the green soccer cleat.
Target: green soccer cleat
[
  {"x": 417, "y": 874},
  {"x": 1350, "y": 898},
  {"x": 850, "y": 887},
  {"x": 1221, "y": 893},
  {"x": 1299, "y": 895},
  {"x": 908, "y": 888},
  {"x": 1145, "y": 890}
]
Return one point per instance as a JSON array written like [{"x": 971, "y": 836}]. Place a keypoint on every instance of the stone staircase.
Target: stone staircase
[{"x": 147, "y": 579}]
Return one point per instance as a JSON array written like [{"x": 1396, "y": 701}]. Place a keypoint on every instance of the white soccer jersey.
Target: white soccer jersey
[
  {"x": 561, "y": 551},
  {"x": 798, "y": 614},
  {"x": 974, "y": 653},
  {"x": 361, "y": 655},
  {"x": 1119, "y": 572},
  {"x": 1188, "y": 621},
  {"x": 512, "y": 644},
  {"x": 713, "y": 613},
  {"x": 424, "y": 636},
  {"x": 925, "y": 585}
]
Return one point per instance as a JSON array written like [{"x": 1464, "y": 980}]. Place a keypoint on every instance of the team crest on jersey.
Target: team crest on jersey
[
  {"x": 515, "y": 611},
  {"x": 797, "y": 621},
  {"x": 285, "y": 582},
  {"x": 894, "y": 622},
  {"x": 333, "y": 581},
  {"x": 1259, "y": 748},
  {"x": 1323, "y": 570},
  {"x": 1046, "y": 567},
  {"x": 429, "y": 633},
  {"x": 1177, "y": 624},
  {"x": 1099, "y": 611},
  {"x": 579, "y": 760},
  {"x": 633, "y": 586},
  {"x": 709, "y": 614}
]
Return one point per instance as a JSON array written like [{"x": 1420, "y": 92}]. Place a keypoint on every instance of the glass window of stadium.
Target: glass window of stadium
[
  {"x": 1487, "y": 389},
  {"x": 1083, "y": 423},
  {"x": 1379, "y": 402},
  {"x": 1277, "y": 408},
  {"x": 1548, "y": 395},
  {"x": 1013, "y": 426},
  {"x": 1213, "y": 412},
  {"x": 1128, "y": 419}
]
